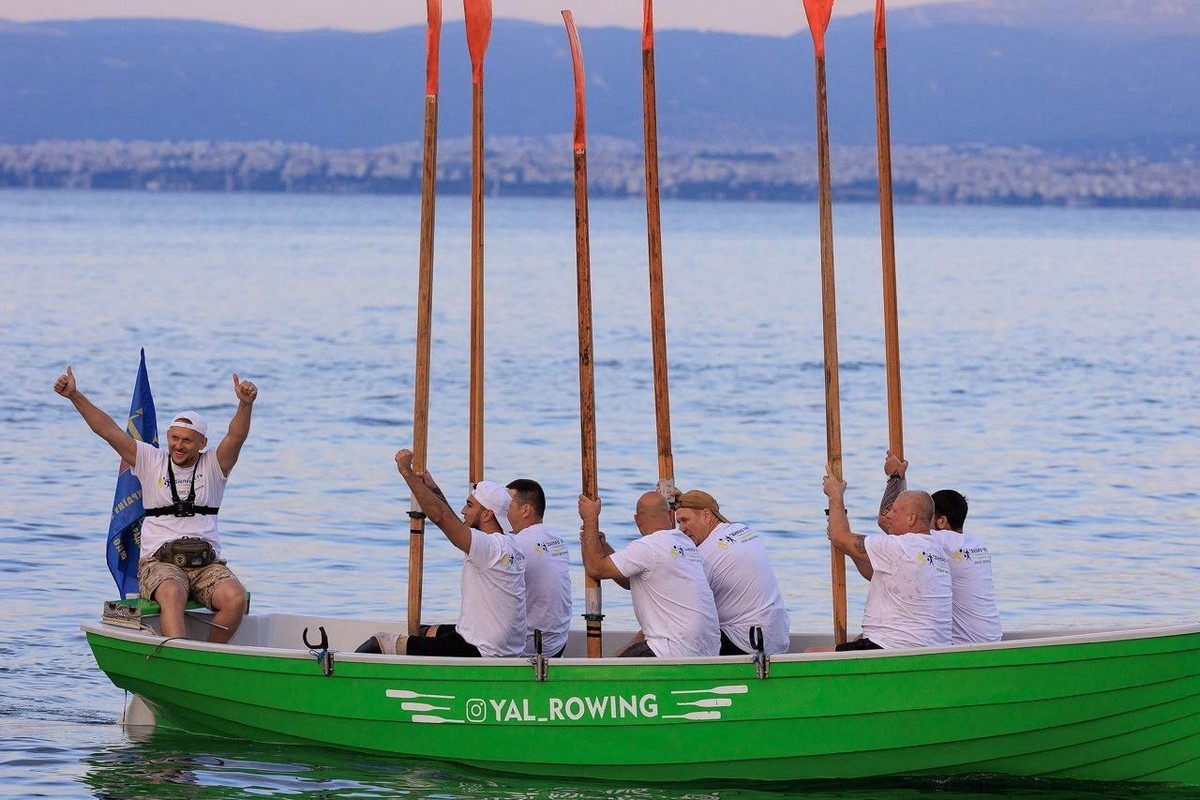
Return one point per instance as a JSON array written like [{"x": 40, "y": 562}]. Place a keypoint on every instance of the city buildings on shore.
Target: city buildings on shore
[{"x": 931, "y": 174}]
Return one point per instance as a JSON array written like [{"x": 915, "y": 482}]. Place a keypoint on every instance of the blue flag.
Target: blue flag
[{"x": 125, "y": 528}]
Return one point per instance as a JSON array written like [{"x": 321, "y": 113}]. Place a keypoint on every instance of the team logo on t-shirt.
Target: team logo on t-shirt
[
  {"x": 932, "y": 559},
  {"x": 554, "y": 547}
]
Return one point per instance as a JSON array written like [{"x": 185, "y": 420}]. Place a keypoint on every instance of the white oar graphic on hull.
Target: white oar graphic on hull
[
  {"x": 709, "y": 702},
  {"x": 432, "y": 720},
  {"x": 423, "y": 707},
  {"x": 736, "y": 689},
  {"x": 695, "y": 715},
  {"x": 406, "y": 694}
]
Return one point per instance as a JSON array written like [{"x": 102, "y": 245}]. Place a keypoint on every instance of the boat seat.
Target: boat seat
[{"x": 146, "y": 608}]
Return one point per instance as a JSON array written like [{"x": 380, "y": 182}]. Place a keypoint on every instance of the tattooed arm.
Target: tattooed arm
[
  {"x": 840, "y": 534},
  {"x": 895, "y": 468}
]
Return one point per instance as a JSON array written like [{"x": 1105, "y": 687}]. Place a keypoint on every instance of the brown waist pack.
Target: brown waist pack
[{"x": 189, "y": 552}]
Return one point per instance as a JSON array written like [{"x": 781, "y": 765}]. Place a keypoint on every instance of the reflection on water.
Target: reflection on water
[{"x": 169, "y": 764}]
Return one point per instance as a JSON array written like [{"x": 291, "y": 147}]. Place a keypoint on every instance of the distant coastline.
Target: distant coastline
[{"x": 541, "y": 166}]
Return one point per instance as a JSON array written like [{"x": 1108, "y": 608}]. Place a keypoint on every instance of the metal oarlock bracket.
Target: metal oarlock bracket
[
  {"x": 320, "y": 650},
  {"x": 539, "y": 662},
  {"x": 762, "y": 661}
]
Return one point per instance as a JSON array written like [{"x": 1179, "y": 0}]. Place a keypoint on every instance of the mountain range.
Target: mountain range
[{"x": 1068, "y": 75}]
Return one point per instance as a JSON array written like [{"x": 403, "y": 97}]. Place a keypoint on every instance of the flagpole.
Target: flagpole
[
  {"x": 478, "y": 14},
  {"x": 891, "y": 326},
  {"x": 416, "y": 529},
  {"x": 818, "y": 13},
  {"x": 593, "y": 607},
  {"x": 658, "y": 324}
]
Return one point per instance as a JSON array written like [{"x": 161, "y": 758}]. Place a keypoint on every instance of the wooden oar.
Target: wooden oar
[
  {"x": 891, "y": 326},
  {"x": 818, "y": 13},
  {"x": 479, "y": 29},
  {"x": 593, "y": 607},
  {"x": 416, "y": 527},
  {"x": 658, "y": 315}
]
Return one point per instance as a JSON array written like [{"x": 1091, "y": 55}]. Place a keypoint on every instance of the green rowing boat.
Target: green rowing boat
[{"x": 1111, "y": 705}]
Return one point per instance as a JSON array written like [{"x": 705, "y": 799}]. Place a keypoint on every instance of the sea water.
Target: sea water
[{"x": 1049, "y": 373}]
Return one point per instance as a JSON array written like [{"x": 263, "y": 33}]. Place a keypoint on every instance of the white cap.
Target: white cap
[
  {"x": 192, "y": 421},
  {"x": 494, "y": 498}
]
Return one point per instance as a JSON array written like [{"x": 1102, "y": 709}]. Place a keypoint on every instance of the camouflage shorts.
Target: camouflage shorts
[{"x": 200, "y": 582}]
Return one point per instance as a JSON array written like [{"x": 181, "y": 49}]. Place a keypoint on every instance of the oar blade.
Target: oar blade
[
  {"x": 647, "y": 25},
  {"x": 577, "y": 65},
  {"x": 818, "y": 13},
  {"x": 433, "y": 38},
  {"x": 478, "y": 15},
  {"x": 880, "y": 27}
]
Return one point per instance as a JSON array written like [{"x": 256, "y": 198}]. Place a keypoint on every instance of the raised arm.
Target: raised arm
[
  {"x": 433, "y": 503},
  {"x": 100, "y": 423},
  {"x": 239, "y": 427},
  {"x": 852, "y": 544},
  {"x": 895, "y": 468},
  {"x": 596, "y": 550}
]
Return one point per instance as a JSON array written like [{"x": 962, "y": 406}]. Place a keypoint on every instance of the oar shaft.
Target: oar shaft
[
  {"x": 833, "y": 417},
  {"x": 658, "y": 322},
  {"x": 475, "y": 456},
  {"x": 891, "y": 325},
  {"x": 416, "y": 530},
  {"x": 593, "y": 605}
]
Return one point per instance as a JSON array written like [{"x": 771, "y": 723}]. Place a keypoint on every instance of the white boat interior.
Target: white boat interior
[{"x": 344, "y": 634}]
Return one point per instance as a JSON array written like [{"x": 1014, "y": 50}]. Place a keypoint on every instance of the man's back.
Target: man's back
[
  {"x": 493, "y": 595},
  {"x": 547, "y": 586},
  {"x": 671, "y": 596},
  {"x": 744, "y": 587},
  {"x": 976, "y": 618},
  {"x": 910, "y": 600}
]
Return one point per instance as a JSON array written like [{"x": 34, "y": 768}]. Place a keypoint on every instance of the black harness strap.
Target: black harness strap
[
  {"x": 181, "y": 508},
  {"x": 170, "y": 511}
]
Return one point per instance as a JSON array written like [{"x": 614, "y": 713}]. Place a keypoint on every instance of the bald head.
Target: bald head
[
  {"x": 653, "y": 513},
  {"x": 912, "y": 512}
]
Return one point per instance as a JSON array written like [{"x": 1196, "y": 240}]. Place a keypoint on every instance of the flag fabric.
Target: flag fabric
[{"x": 125, "y": 527}]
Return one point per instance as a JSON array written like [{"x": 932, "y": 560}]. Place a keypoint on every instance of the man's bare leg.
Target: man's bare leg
[
  {"x": 229, "y": 603},
  {"x": 171, "y": 597}
]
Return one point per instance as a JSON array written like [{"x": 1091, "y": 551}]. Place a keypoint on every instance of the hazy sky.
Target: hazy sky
[{"x": 743, "y": 16}]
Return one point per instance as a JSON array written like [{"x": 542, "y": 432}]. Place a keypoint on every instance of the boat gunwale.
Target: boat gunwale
[{"x": 1091, "y": 636}]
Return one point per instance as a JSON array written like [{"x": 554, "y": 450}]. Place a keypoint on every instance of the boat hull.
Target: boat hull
[{"x": 1116, "y": 706}]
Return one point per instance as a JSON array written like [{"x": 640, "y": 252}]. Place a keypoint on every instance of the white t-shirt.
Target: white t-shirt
[
  {"x": 910, "y": 601},
  {"x": 671, "y": 597},
  {"x": 744, "y": 587},
  {"x": 492, "y": 616},
  {"x": 547, "y": 586},
  {"x": 151, "y": 470},
  {"x": 976, "y": 618}
]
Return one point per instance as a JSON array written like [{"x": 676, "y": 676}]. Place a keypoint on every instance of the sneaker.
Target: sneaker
[{"x": 392, "y": 644}]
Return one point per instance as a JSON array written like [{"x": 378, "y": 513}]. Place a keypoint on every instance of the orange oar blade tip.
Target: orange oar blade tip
[
  {"x": 577, "y": 65},
  {"x": 880, "y": 27},
  {"x": 647, "y": 25},
  {"x": 433, "y": 38},
  {"x": 478, "y": 14},
  {"x": 818, "y": 13}
]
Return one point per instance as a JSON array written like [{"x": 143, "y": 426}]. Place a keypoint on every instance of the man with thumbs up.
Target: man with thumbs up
[{"x": 182, "y": 487}]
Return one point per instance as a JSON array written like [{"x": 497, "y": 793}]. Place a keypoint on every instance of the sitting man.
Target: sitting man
[
  {"x": 491, "y": 619},
  {"x": 547, "y": 568},
  {"x": 909, "y": 602},
  {"x": 740, "y": 574},
  {"x": 976, "y": 618},
  {"x": 182, "y": 488},
  {"x": 671, "y": 596}
]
